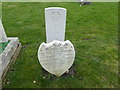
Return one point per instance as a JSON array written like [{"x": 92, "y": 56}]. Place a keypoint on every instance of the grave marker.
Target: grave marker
[
  {"x": 55, "y": 19},
  {"x": 56, "y": 56},
  {"x": 3, "y": 37}
]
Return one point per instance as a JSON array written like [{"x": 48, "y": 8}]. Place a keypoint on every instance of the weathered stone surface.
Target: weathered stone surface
[
  {"x": 7, "y": 54},
  {"x": 55, "y": 18},
  {"x": 56, "y": 57},
  {"x": 3, "y": 37}
]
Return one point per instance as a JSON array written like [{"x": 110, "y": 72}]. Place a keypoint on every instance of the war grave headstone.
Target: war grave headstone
[
  {"x": 56, "y": 55},
  {"x": 8, "y": 53}
]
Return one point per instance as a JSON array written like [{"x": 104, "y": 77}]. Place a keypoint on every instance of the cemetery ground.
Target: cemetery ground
[
  {"x": 2, "y": 46},
  {"x": 93, "y": 30}
]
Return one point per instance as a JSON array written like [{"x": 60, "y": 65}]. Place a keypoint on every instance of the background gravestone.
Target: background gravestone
[
  {"x": 55, "y": 19},
  {"x": 3, "y": 37},
  {"x": 8, "y": 53}
]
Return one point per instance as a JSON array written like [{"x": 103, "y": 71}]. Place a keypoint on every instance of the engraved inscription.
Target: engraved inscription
[{"x": 58, "y": 59}]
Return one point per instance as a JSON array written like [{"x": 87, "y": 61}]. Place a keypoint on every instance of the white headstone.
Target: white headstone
[
  {"x": 55, "y": 18},
  {"x": 3, "y": 37},
  {"x": 56, "y": 57}
]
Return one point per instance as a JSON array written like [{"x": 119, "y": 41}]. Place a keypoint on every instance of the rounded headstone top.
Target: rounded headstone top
[{"x": 55, "y": 8}]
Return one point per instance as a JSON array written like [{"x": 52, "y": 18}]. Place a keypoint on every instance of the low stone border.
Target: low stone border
[{"x": 8, "y": 56}]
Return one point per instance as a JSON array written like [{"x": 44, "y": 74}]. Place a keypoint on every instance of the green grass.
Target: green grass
[
  {"x": 93, "y": 30},
  {"x": 3, "y": 46}
]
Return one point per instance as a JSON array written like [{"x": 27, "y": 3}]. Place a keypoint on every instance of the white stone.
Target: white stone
[
  {"x": 55, "y": 18},
  {"x": 8, "y": 53},
  {"x": 3, "y": 37},
  {"x": 34, "y": 81},
  {"x": 1, "y": 68},
  {"x": 56, "y": 57}
]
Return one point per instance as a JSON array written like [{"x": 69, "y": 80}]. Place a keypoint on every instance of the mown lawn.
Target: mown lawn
[
  {"x": 3, "y": 46},
  {"x": 93, "y": 30}
]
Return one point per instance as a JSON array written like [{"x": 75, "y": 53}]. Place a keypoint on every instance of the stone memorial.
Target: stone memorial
[
  {"x": 55, "y": 19},
  {"x": 3, "y": 37},
  {"x": 56, "y": 56},
  {"x": 9, "y": 54}
]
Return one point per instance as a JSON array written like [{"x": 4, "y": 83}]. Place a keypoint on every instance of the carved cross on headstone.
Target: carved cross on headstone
[
  {"x": 3, "y": 37},
  {"x": 55, "y": 19}
]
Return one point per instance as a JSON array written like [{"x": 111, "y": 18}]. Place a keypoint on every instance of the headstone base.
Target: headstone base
[{"x": 8, "y": 56}]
